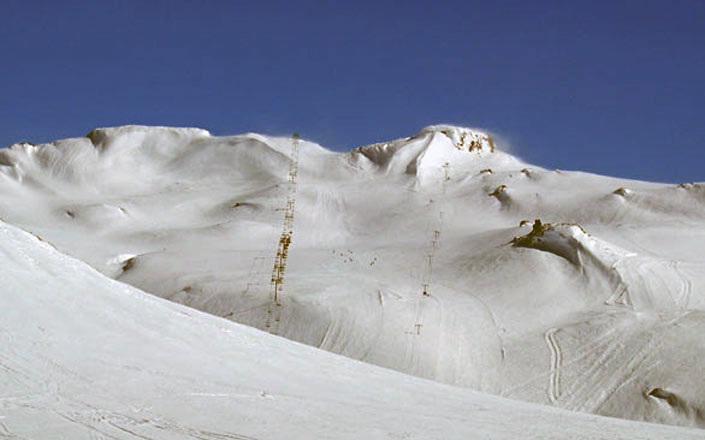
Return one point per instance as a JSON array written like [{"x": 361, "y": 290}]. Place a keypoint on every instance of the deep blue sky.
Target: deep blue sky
[{"x": 614, "y": 87}]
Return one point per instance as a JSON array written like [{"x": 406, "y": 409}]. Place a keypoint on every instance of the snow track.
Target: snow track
[
  {"x": 687, "y": 286},
  {"x": 554, "y": 385}
]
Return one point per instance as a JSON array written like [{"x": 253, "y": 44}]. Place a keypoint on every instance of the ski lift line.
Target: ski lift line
[
  {"x": 280, "y": 258},
  {"x": 435, "y": 243}
]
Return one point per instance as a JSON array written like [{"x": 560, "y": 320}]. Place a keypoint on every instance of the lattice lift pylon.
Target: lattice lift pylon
[{"x": 288, "y": 227}]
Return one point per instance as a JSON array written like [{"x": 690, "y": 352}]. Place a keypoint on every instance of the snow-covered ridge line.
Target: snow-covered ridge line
[
  {"x": 136, "y": 147},
  {"x": 641, "y": 282},
  {"x": 102, "y": 137},
  {"x": 462, "y": 137}
]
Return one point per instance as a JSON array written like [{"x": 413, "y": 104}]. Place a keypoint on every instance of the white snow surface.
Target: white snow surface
[
  {"x": 84, "y": 356},
  {"x": 402, "y": 254}
]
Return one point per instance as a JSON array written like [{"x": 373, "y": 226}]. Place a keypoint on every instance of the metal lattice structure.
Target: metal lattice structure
[{"x": 288, "y": 227}]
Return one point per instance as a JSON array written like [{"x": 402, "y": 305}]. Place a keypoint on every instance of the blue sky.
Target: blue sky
[{"x": 613, "y": 87}]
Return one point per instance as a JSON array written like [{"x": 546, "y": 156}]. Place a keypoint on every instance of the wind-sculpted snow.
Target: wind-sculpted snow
[
  {"x": 85, "y": 357},
  {"x": 416, "y": 254},
  {"x": 641, "y": 282}
]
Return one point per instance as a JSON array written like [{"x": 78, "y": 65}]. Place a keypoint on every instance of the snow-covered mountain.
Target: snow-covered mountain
[
  {"x": 421, "y": 255},
  {"x": 83, "y": 356}
]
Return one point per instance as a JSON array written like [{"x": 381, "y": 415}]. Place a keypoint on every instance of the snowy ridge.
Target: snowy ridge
[
  {"x": 639, "y": 281},
  {"x": 684, "y": 201}
]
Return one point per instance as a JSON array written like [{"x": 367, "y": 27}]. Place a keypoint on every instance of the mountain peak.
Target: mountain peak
[
  {"x": 462, "y": 137},
  {"x": 425, "y": 153}
]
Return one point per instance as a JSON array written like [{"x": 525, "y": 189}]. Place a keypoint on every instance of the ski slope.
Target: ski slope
[
  {"x": 84, "y": 356},
  {"x": 419, "y": 255}
]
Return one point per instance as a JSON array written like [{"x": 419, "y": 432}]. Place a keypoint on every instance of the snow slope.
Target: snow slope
[
  {"x": 84, "y": 356},
  {"x": 405, "y": 254}
]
